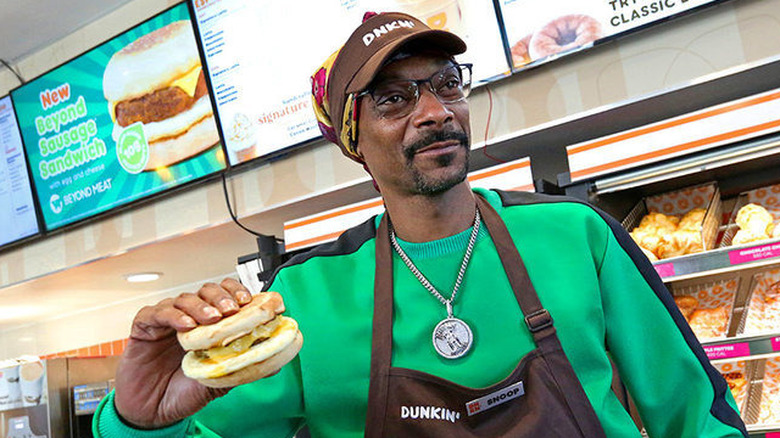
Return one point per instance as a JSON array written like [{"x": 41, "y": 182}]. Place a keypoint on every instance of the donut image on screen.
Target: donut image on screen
[
  {"x": 562, "y": 34},
  {"x": 520, "y": 55}
]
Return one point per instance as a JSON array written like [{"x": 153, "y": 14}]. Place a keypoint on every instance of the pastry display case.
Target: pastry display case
[
  {"x": 702, "y": 201},
  {"x": 676, "y": 223},
  {"x": 708, "y": 307},
  {"x": 728, "y": 286},
  {"x": 755, "y": 384},
  {"x": 737, "y": 374}
]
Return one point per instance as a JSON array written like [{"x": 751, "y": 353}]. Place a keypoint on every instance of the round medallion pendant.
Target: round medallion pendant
[{"x": 452, "y": 338}]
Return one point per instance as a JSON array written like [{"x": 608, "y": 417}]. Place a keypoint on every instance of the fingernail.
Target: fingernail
[
  {"x": 211, "y": 312},
  {"x": 188, "y": 322},
  {"x": 227, "y": 304},
  {"x": 243, "y": 297}
]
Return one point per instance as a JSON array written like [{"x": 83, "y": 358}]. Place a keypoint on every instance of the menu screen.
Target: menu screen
[
  {"x": 260, "y": 55},
  {"x": 128, "y": 119},
  {"x": 538, "y": 32},
  {"x": 17, "y": 210}
]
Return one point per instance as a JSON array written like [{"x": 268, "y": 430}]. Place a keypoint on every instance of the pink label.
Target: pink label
[
  {"x": 665, "y": 269},
  {"x": 772, "y": 435},
  {"x": 776, "y": 344},
  {"x": 724, "y": 351},
  {"x": 760, "y": 252}
]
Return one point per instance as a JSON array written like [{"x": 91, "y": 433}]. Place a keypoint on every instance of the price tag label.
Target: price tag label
[
  {"x": 761, "y": 252},
  {"x": 665, "y": 269},
  {"x": 725, "y": 351}
]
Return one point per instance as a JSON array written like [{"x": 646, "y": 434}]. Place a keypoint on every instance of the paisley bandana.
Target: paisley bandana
[
  {"x": 320, "y": 100},
  {"x": 347, "y": 141},
  {"x": 349, "y": 127}
]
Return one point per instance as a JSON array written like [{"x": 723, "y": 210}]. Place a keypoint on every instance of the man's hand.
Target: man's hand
[{"x": 151, "y": 389}]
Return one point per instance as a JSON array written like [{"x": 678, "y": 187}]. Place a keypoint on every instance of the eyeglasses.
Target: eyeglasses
[{"x": 398, "y": 98}]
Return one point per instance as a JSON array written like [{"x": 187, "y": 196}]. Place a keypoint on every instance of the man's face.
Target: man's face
[{"x": 424, "y": 152}]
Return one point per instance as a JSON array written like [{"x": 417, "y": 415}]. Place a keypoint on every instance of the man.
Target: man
[{"x": 456, "y": 313}]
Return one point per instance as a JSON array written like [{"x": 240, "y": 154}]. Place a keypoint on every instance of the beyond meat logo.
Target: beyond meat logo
[
  {"x": 377, "y": 32},
  {"x": 429, "y": 413}
]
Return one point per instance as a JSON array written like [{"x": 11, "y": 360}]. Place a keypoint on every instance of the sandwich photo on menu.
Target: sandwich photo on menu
[{"x": 158, "y": 98}]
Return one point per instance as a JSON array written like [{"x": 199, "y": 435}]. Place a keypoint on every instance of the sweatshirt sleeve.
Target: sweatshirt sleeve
[
  {"x": 107, "y": 424},
  {"x": 677, "y": 390},
  {"x": 270, "y": 407}
]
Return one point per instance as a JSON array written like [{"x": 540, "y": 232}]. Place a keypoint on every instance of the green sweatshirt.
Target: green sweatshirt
[{"x": 601, "y": 291}]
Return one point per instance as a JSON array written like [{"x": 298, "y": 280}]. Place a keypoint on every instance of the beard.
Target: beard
[{"x": 429, "y": 184}]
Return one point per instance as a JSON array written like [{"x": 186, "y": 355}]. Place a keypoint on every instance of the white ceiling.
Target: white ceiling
[{"x": 27, "y": 26}]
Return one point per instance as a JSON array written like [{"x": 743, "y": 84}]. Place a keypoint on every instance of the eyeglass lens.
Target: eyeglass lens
[{"x": 398, "y": 98}]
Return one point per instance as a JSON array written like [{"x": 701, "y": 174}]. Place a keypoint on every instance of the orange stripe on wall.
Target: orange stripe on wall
[
  {"x": 677, "y": 148},
  {"x": 673, "y": 123},
  {"x": 495, "y": 172},
  {"x": 333, "y": 214},
  {"x": 523, "y": 188},
  {"x": 112, "y": 348},
  {"x": 379, "y": 202},
  {"x": 314, "y": 240},
  {"x": 117, "y": 347}
]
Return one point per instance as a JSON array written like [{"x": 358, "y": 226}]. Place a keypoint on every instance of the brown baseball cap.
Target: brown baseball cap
[{"x": 370, "y": 45}]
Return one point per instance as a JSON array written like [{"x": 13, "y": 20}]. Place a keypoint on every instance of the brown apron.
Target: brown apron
[{"x": 541, "y": 398}]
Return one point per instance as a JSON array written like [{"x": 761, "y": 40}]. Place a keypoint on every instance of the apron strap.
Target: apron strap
[
  {"x": 537, "y": 318},
  {"x": 382, "y": 332},
  {"x": 540, "y": 323}
]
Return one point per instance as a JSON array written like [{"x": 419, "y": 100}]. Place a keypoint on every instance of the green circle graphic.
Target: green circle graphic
[{"x": 132, "y": 150}]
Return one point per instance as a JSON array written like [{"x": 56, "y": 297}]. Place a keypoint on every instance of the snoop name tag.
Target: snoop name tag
[{"x": 495, "y": 398}]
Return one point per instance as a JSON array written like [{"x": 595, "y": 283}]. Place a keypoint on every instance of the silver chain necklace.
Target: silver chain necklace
[{"x": 452, "y": 338}]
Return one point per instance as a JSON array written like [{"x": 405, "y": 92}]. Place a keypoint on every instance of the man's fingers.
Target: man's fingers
[
  {"x": 219, "y": 297},
  {"x": 156, "y": 322},
  {"x": 200, "y": 310},
  {"x": 177, "y": 319},
  {"x": 209, "y": 305},
  {"x": 239, "y": 292}
]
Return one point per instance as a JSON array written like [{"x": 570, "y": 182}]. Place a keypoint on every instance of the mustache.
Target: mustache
[{"x": 434, "y": 137}]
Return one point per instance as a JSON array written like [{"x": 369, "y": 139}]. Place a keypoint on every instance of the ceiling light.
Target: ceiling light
[{"x": 143, "y": 277}]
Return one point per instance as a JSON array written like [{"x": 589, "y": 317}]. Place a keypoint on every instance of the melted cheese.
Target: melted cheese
[
  {"x": 112, "y": 110},
  {"x": 243, "y": 343},
  {"x": 189, "y": 81}
]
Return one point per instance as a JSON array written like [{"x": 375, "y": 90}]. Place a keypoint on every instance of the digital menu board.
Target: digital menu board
[
  {"x": 125, "y": 120},
  {"x": 538, "y": 32},
  {"x": 17, "y": 208},
  {"x": 260, "y": 56}
]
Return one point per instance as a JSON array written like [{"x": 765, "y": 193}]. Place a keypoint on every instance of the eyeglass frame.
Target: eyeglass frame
[{"x": 461, "y": 67}]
